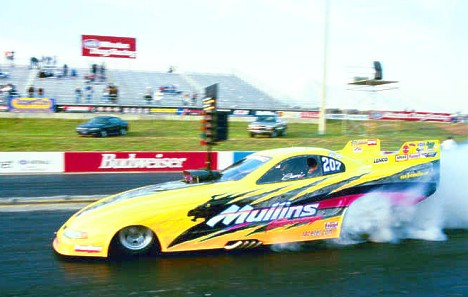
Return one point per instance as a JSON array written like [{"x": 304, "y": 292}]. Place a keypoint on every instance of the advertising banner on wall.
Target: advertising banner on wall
[
  {"x": 135, "y": 161},
  {"x": 108, "y": 46},
  {"x": 31, "y": 105},
  {"x": 31, "y": 162},
  {"x": 412, "y": 116}
]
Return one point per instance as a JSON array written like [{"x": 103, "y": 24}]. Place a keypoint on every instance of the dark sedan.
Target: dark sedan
[{"x": 103, "y": 126}]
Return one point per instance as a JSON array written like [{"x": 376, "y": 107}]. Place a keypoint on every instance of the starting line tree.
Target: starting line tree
[{"x": 214, "y": 123}]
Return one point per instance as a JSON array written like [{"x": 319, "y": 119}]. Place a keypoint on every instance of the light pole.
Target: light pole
[{"x": 322, "y": 114}]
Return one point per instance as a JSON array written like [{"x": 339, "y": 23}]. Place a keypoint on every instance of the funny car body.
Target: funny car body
[{"x": 269, "y": 197}]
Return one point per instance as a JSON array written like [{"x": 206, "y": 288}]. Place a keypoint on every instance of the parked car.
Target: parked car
[
  {"x": 103, "y": 126},
  {"x": 271, "y": 125}
]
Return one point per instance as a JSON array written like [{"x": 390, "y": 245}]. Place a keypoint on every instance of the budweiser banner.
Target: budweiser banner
[
  {"x": 108, "y": 46},
  {"x": 135, "y": 161}
]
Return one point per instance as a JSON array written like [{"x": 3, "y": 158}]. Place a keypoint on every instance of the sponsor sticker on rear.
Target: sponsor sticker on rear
[{"x": 400, "y": 158}]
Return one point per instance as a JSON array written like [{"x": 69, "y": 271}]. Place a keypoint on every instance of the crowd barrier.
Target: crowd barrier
[{"x": 111, "y": 162}]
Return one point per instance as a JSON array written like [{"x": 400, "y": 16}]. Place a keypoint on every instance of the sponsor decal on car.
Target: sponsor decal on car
[
  {"x": 331, "y": 225},
  {"x": 317, "y": 233},
  {"x": 380, "y": 160},
  {"x": 235, "y": 215},
  {"x": 413, "y": 174},
  {"x": 400, "y": 158},
  {"x": 431, "y": 146},
  {"x": 87, "y": 248},
  {"x": 405, "y": 149}
]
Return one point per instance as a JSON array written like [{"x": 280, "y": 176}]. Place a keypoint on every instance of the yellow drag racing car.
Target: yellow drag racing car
[{"x": 269, "y": 197}]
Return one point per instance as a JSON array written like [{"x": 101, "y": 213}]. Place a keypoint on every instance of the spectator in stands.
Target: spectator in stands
[
  {"x": 31, "y": 92},
  {"x": 185, "y": 99},
  {"x": 10, "y": 57},
  {"x": 94, "y": 69},
  {"x": 65, "y": 70},
  {"x": 157, "y": 97},
  {"x": 148, "y": 95},
  {"x": 78, "y": 95},
  {"x": 194, "y": 98},
  {"x": 102, "y": 72},
  {"x": 40, "y": 92},
  {"x": 34, "y": 63},
  {"x": 89, "y": 91},
  {"x": 113, "y": 93},
  {"x": 90, "y": 78},
  {"x": 105, "y": 95}
]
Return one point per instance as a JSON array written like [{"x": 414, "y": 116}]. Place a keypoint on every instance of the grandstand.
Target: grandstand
[{"x": 233, "y": 91}]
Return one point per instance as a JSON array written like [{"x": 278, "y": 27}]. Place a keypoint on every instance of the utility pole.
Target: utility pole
[{"x": 322, "y": 115}]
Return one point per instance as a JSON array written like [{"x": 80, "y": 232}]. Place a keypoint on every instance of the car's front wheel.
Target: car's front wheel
[
  {"x": 135, "y": 240},
  {"x": 103, "y": 133}
]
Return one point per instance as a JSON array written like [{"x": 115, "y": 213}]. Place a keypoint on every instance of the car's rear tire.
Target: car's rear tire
[
  {"x": 123, "y": 131},
  {"x": 274, "y": 134},
  {"x": 134, "y": 241}
]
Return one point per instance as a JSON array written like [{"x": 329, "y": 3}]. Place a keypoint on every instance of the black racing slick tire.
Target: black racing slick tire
[{"x": 134, "y": 241}]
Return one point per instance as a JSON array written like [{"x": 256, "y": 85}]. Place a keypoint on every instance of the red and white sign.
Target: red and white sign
[
  {"x": 135, "y": 161},
  {"x": 310, "y": 115},
  {"x": 108, "y": 46},
  {"x": 412, "y": 116}
]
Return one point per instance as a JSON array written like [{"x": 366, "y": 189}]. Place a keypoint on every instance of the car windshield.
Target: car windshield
[
  {"x": 266, "y": 119},
  {"x": 243, "y": 167},
  {"x": 97, "y": 121}
]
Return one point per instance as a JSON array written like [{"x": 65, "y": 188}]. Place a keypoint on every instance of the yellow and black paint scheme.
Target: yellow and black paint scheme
[{"x": 240, "y": 209}]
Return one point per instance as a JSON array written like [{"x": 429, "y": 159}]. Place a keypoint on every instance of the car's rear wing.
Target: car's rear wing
[
  {"x": 420, "y": 149},
  {"x": 368, "y": 150},
  {"x": 361, "y": 147}
]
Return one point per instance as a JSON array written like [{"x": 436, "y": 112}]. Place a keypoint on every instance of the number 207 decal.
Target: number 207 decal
[{"x": 330, "y": 165}]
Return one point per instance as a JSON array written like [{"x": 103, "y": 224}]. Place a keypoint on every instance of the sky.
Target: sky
[{"x": 278, "y": 45}]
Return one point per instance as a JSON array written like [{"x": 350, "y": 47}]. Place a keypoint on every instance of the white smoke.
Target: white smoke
[{"x": 372, "y": 218}]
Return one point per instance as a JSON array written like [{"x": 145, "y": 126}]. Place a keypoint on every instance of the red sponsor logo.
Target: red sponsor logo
[
  {"x": 405, "y": 149},
  {"x": 135, "y": 161},
  {"x": 108, "y": 46},
  {"x": 310, "y": 115}
]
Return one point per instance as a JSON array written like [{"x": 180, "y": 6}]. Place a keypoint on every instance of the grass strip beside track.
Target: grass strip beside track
[{"x": 57, "y": 135}]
